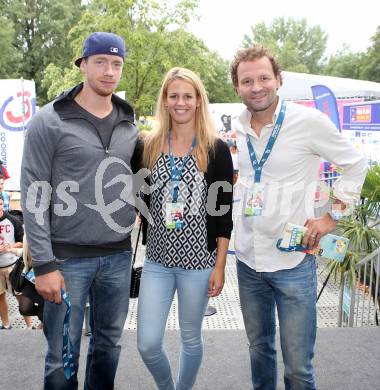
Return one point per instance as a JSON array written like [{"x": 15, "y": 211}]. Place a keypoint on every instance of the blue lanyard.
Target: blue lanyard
[
  {"x": 294, "y": 248},
  {"x": 67, "y": 355},
  {"x": 176, "y": 173},
  {"x": 258, "y": 166}
]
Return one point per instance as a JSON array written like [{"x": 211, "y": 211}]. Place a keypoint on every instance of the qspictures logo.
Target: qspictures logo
[
  {"x": 17, "y": 110},
  {"x": 40, "y": 194}
]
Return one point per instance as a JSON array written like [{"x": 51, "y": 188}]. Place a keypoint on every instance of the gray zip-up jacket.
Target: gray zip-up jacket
[{"x": 68, "y": 197}]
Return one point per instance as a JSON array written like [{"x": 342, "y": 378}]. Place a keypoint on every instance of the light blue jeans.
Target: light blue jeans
[
  {"x": 158, "y": 285},
  {"x": 294, "y": 292},
  {"x": 106, "y": 280}
]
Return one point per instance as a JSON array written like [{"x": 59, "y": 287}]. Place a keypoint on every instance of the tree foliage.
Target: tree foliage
[
  {"x": 371, "y": 68},
  {"x": 156, "y": 40},
  {"x": 297, "y": 46},
  {"x": 10, "y": 57},
  {"x": 345, "y": 63},
  {"x": 357, "y": 65},
  {"x": 40, "y": 34}
]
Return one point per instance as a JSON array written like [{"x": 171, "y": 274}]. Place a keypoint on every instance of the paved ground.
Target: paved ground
[
  {"x": 346, "y": 359},
  {"x": 228, "y": 314}
]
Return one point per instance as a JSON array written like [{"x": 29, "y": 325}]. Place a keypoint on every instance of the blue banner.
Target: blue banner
[{"x": 325, "y": 101}]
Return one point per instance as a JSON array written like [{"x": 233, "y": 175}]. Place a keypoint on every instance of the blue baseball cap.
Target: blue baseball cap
[{"x": 102, "y": 43}]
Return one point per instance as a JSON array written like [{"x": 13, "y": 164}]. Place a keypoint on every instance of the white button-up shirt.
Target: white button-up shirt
[{"x": 290, "y": 176}]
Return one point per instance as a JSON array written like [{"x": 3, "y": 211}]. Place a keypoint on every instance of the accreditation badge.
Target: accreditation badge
[
  {"x": 254, "y": 201},
  {"x": 174, "y": 215}
]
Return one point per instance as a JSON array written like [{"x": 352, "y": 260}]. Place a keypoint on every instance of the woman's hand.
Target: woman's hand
[{"x": 216, "y": 282}]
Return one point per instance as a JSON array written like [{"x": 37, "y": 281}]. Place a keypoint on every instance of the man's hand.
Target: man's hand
[
  {"x": 49, "y": 286},
  {"x": 316, "y": 228}
]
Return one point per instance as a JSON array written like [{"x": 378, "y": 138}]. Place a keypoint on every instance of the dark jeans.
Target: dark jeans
[{"x": 106, "y": 280}]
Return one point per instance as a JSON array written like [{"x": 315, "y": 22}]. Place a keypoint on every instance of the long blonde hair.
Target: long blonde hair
[{"x": 204, "y": 127}]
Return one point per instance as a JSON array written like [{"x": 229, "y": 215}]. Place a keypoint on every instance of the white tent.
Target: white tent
[{"x": 297, "y": 86}]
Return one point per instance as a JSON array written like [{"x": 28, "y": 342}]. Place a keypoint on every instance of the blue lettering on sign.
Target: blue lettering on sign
[{"x": 3, "y": 148}]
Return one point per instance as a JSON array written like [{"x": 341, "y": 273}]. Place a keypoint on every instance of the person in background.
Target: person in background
[
  {"x": 4, "y": 194},
  {"x": 30, "y": 302},
  {"x": 280, "y": 145},
  {"x": 27, "y": 318},
  {"x": 11, "y": 234},
  {"x": 186, "y": 243}
]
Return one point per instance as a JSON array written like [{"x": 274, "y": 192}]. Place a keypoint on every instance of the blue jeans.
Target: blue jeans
[
  {"x": 294, "y": 292},
  {"x": 158, "y": 285},
  {"x": 106, "y": 280}
]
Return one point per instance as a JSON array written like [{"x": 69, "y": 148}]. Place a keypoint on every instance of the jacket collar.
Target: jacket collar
[{"x": 66, "y": 111}]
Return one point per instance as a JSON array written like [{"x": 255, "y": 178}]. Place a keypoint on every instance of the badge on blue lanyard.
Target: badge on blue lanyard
[
  {"x": 254, "y": 201},
  {"x": 67, "y": 348},
  {"x": 292, "y": 238},
  {"x": 175, "y": 208}
]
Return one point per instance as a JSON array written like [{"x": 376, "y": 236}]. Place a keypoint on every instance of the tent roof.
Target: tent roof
[{"x": 297, "y": 86}]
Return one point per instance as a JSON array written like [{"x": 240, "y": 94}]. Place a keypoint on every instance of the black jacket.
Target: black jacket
[{"x": 220, "y": 168}]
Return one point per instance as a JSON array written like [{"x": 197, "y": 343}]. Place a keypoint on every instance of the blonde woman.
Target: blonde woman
[{"x": 192, "y": 222}]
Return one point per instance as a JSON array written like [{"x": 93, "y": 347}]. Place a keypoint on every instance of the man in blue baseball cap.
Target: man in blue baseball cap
[
  {"x": 102, "y": 43},
  {"x": 80, "y": 247}
]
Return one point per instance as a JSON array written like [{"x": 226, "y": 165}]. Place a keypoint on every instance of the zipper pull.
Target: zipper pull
[{"x": 106, "y": 150}]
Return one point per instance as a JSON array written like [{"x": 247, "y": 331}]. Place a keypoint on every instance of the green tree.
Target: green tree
[
  {"x": 345, "y": 63},
  {"x": 190, "y": 52},
  {"x": 371, "y": 68},
  {"x": 298, "y": 47},
  {"x": 10, "y": 57},
  {"x": 217, "y": 81},
  {"x": 41, "y": 28},
  {"x": 156, "y": 41}
]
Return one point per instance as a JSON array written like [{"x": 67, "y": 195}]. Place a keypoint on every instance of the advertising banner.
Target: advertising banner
[
  {"x": 17, "y": 106},
  {"x": 325, "y": 101},
  {"x": 362, "y": 117},
  {"x": 361, "y": 123}
]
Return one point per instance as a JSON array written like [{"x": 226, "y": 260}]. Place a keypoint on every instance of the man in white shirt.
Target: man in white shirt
[{"x": 279, "y": 189}]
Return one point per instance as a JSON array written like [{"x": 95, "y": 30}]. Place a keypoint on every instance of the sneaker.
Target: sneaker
[{"x": 6, "y": 327}]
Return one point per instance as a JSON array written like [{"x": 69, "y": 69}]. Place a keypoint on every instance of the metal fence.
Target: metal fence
[{"x": 359, "y": 303}]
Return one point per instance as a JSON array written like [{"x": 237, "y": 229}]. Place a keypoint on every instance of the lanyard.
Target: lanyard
[
  {"x": 67, "y": 355},
  {"x": 294, "y": 248},
  {"x": 258, "y": 166},
  {"x": 176, "y": 173}
]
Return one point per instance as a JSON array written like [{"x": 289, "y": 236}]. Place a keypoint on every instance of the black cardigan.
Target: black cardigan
[{"x": 220, "y": 168}]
